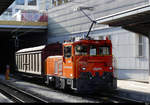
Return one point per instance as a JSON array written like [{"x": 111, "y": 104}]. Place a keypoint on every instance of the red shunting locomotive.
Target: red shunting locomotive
[{"x": 84, "y": 65}]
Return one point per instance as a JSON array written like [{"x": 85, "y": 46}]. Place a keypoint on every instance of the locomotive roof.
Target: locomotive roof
[
  {"x": 54, "y": 56},
  {"x": 89, "y": 41},
  {"x": 38, "y": 48}
]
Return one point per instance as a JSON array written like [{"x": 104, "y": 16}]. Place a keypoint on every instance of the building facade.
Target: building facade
[
  {"x": 37, "y": 5},
  {"x": 130, "y": 50},
  {"x": 24, "y": 5}
]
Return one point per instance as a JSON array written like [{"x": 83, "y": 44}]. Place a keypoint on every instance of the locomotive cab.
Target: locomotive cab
[{"x": 88, "y": 64}]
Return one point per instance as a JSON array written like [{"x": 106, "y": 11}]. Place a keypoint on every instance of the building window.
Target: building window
[
  {"x": 101, "y": 38},
  {"x": 109, "y": 37},
  {"x": 104, "y": 37},
  {"x": 47, "y": 5},
  {"x": 141, "y": 46},
  {"x": 54, "y": 2},
  {"x": 59, "y": 2},
  {"x": 32, "y": 2},
  {"x": 20, "y": 2},
  {"x": 16, "y": 10},
  {"x": 65, "y": 1}
]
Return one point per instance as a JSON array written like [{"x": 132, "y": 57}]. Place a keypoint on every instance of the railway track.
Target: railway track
[
  {"x": 19, "y": 96},
  {"x": 104, "y": 97}
]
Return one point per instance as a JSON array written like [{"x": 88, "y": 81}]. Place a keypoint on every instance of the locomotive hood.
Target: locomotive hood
[{"x": 95, "y": 64}]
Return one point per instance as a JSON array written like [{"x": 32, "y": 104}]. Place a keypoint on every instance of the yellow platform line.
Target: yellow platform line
[{"x": 23, "y": 23}]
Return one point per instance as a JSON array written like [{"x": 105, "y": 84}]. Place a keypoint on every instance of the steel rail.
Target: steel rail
[
  {"x": 11, "y": 96},
  {"x": 15, "y": 98}
]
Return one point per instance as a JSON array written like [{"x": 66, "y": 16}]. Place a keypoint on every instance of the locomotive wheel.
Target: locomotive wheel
[
  {"x": 52, "y": 83},
  {"x": 57, "y": 83},
  {"x": 62, "y": 83}
]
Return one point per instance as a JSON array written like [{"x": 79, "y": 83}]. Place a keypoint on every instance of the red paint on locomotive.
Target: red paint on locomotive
[{"x": 84, "y": 62}]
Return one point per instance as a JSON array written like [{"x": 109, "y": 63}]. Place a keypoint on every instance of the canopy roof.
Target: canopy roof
[
  {"x": 136, "y": 20},
  {"x": 4, "y": 4}
]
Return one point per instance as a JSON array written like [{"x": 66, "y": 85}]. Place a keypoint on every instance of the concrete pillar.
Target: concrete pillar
[
  {"x": 63, "y": 1},
  {"x": 38, "y": 4},
  {"x": 50, "y": 3},
  {"x": 149, "y": 56},
  {"x": 26, "y": 3},
  {"x": 56, "y": 2}
]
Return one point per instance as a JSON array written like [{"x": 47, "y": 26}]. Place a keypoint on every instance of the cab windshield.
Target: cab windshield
[
  {"x": 104, "y": 51},
  {"x": 92, "y": 50},
  {"x": 81, "y": 50}
]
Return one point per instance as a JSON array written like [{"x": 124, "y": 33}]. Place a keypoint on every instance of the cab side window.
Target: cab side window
[
  {"x": 67, "y": 51},
  {"x": 93, "y": 50},
  {"x": 104, "y": 51}
]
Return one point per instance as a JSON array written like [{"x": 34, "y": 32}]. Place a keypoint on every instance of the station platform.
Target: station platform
[{"x": 138, "y": 91}]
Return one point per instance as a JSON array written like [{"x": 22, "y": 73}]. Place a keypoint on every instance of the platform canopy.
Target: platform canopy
[
  {"x": 4, "y": 4},
  {"x": 135, "y": 20}
]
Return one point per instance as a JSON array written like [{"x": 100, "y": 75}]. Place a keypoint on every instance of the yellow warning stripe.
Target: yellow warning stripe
[{"x": 20, "y": 23}]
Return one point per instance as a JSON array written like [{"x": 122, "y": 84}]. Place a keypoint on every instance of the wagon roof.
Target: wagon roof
[{"x": 38, "y": 48}]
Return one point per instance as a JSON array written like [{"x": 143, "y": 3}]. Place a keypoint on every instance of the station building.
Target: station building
[
  {"x": 24, "y": 5},
  {"x": 130, "y": 50},
  {"x": 39, "y": 5}
]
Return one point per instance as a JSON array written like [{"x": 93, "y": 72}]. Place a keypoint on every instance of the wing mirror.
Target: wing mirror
[
  {"x": 72, "y": 58},
  {"x": 63, "y": 59}
]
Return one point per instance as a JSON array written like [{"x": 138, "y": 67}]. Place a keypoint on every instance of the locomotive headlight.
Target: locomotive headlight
[
  {"x": 110, "y": 68},
  {"x": 83, "y": 68}
]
